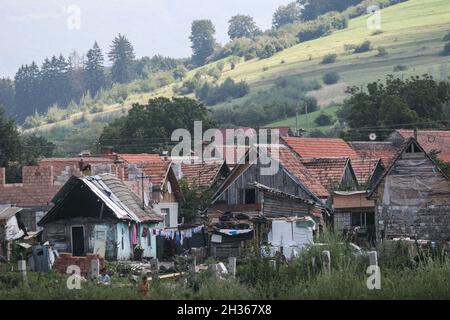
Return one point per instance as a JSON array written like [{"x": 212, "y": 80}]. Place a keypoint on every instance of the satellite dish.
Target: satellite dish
[{"x": 372, "y": 137}]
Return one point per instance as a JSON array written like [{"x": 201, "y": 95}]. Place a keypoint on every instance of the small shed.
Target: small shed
[
  {"x": 100, "y": 215},
  {"x": 11, "y": 229}
]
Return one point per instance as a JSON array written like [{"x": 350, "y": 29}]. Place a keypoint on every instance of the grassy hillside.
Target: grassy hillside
[{"x": 411, "y": 33}]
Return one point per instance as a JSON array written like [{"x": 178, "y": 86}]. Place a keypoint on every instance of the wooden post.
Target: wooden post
[
  {"x": 373, "y": 258},
  {"x": 22, "y": 266},
  {"x": 154, "y": 265},
  {"x": 314, "y": 264},
  {"x": 193, "y": 265},
  {"x": 95, "y": 266},
  {"x": 232, "y": 266},
  {"x": 326, "y": 262}
]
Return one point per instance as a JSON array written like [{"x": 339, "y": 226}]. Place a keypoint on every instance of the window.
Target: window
[
  {"x": 413, "y": 148},
  {"x": 166, "y": 213},
  {"x": 363, "y": 219},
  {"x": 149, "y": 238}
]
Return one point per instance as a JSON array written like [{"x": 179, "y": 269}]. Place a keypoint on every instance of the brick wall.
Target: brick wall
[{"x": 66, "y": 259}]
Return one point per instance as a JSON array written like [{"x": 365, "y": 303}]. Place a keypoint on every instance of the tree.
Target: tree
[
  {"x": 28, "y": 97},
  {"x": 122, "y": 56},
  {"x": 447, "y": 49},
  {"x": 202, "y": 41},
  {"x": 410, "y": 103},
  {"x": 289, "y": 13},
  {"x": 323, "y": 120},
  {"x": 9, "y": 141},
  {"x": 311, "y": 9},
  {"x": 241, "y": 26},
  {"x": 34, "y": 147},
  {"x": 95, "y": 71},
  {"x": 7, "y": 95},
  {"x": 195, "y": 200},
  {"x": 146, "y": 128}
]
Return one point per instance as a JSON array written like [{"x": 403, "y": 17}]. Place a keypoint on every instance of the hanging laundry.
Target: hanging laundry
[{"x": 134, "y": 235}]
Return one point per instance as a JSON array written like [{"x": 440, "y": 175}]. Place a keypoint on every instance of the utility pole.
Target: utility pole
[
  {"x": 142, "y": 189},
  {"x": 307, "y": 120},
  {"x": 296, "y": 121}
]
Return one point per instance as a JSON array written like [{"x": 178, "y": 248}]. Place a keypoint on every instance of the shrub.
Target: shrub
[
  {"x": 400, "y": 67},
  {"x": 446, "y": 50},
  {"x": 229, "y": 89},
  {"x": 382, "y": 52},
  {"x": 363, "y": 47},
  {"x": 322, "y": 26},
  {"x": 446, "y": 37},
  {"x": 329, "y": 58},
  {"x": 330, "y": 78},
  {"x": 323, "y": 120}
]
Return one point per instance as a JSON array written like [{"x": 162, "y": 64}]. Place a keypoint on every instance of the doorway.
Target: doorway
[{"x": 78, "y": 241}]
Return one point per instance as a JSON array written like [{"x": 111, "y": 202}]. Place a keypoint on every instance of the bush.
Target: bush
[
  {"x": 446, "y": 37},
  {"x": 329, "y": 58},
  {"x": 330, "y": 78},
  {"x": 323, "y": 120},
  {"x": 400, "y": 67},
  {"x": 322, "y": 26},
  {"x": 363, "y": 47},
  {"x": 210, "y": 94},
  {"x": 446, "y": 50},
  {"x": 382, "y": 52}
]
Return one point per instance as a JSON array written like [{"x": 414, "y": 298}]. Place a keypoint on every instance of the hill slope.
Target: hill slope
[{"x": 412, "y": 34}]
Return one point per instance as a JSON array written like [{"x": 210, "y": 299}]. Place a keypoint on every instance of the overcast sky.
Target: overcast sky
[{"x": 31, "y": 30}]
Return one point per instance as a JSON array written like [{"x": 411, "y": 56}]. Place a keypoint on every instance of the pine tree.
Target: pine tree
[
  {"x": 95, "y": 71},
  {"x": 122, "y": 56},
  {"x": 28, "y": 96}
]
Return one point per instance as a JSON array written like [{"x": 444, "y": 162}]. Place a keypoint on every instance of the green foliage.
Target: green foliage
[
  {"x": 322, "y": 26},
  {"x": 287, "y": 14},
  {"x": 446, "y": 50},
  {"x": 202, "y": 39},
  {"x": 382, "y": 52},
  {"x": 9, "y": 140},
  {"x": 414, "y": 102},
  {"x": 146, "y": 128},
  {"x": 122, "y": 56},
  {"x": 444, "y": 166},
  {"x": 242, "y": 26},
  {"x": 195, "y": 199},
  {"x": 278, "y": 102},
  {"x": 311, "y": 9},
  {"x": 213, "y": 94},
  {"x": 329, "y": 58},
  {"x": 323, "y": 120},
  {"x": 400, "y": 67},
  {"x": 446, "y": 37},
  {"x": 330, "y": 77},
  {"x": 363, "y": 47},
  {"x": 95, "y": 71}
]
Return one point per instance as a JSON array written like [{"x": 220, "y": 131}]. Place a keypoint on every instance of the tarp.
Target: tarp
[
  {"x": 13, "y": 232},
  {"x": 232, "y": 232},
  {"x": 292, "y": 235}
]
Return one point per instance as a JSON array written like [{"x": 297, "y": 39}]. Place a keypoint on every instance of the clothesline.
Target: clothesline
[{"x": 178, "y": 235}]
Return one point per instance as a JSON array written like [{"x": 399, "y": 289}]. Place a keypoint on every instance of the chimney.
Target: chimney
[{"x": 415, "y": 133}]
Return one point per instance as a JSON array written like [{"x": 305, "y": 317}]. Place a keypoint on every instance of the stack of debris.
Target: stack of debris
[{"x": 66, "y": 259}]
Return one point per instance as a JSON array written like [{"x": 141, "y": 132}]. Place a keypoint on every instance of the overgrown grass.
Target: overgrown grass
[{"x": 401, "y": 278}]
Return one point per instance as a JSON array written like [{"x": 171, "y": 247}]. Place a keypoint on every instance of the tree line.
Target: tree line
[{"x": 60, "y": 80}]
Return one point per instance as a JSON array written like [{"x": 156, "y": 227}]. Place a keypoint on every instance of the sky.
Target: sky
[{"x": 32, "y": 30}]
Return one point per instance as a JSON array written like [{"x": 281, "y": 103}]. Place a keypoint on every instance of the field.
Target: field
[
  {"x": 411, "y": 33},
  {"x": 401, "y": 277}
]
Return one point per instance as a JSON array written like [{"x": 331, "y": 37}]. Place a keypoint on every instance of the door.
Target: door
[{"x": 77, "y": 241}]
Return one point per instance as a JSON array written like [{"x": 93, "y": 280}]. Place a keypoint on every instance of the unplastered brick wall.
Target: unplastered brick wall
[
  {"x": 41, "y": 183},
  {"x": 65, "y": 260}
]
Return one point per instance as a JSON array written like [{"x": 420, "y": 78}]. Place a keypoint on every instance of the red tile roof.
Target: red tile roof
[
  {"x": 156, "y": 170},
  {"x": 431, "y": 140},
  {"x": 364, "y": 168},
  {"x": 319, "y": 147},
  {"x": 201, "y": 174},
  {"x": 138, "y": 158},
  {"x": 328, "y": 171},
  {"x": 386, "y": 151},
  {"x": 293, "y": 164}
]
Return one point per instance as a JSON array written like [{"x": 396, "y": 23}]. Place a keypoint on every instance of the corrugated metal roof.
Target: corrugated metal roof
[{"x": 8, "y": 212}]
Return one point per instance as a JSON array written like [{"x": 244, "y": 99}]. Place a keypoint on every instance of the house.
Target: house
[
  {"x": 242, "y": 203},
  {"x": 383, "y": 150},
  {"x": 204, "y": 175},
  {"x": 367, "y": 171},
  {"x": 99, "y": 215},
  {"x": 332, "y": 173},
  {"x": 11, "y": 229},
  {"x": 153, "y": 178},
  {"x": 319, "y": 147},
  {"x": 412, "y": 197},
  {"x": 430, "y": 140}
]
